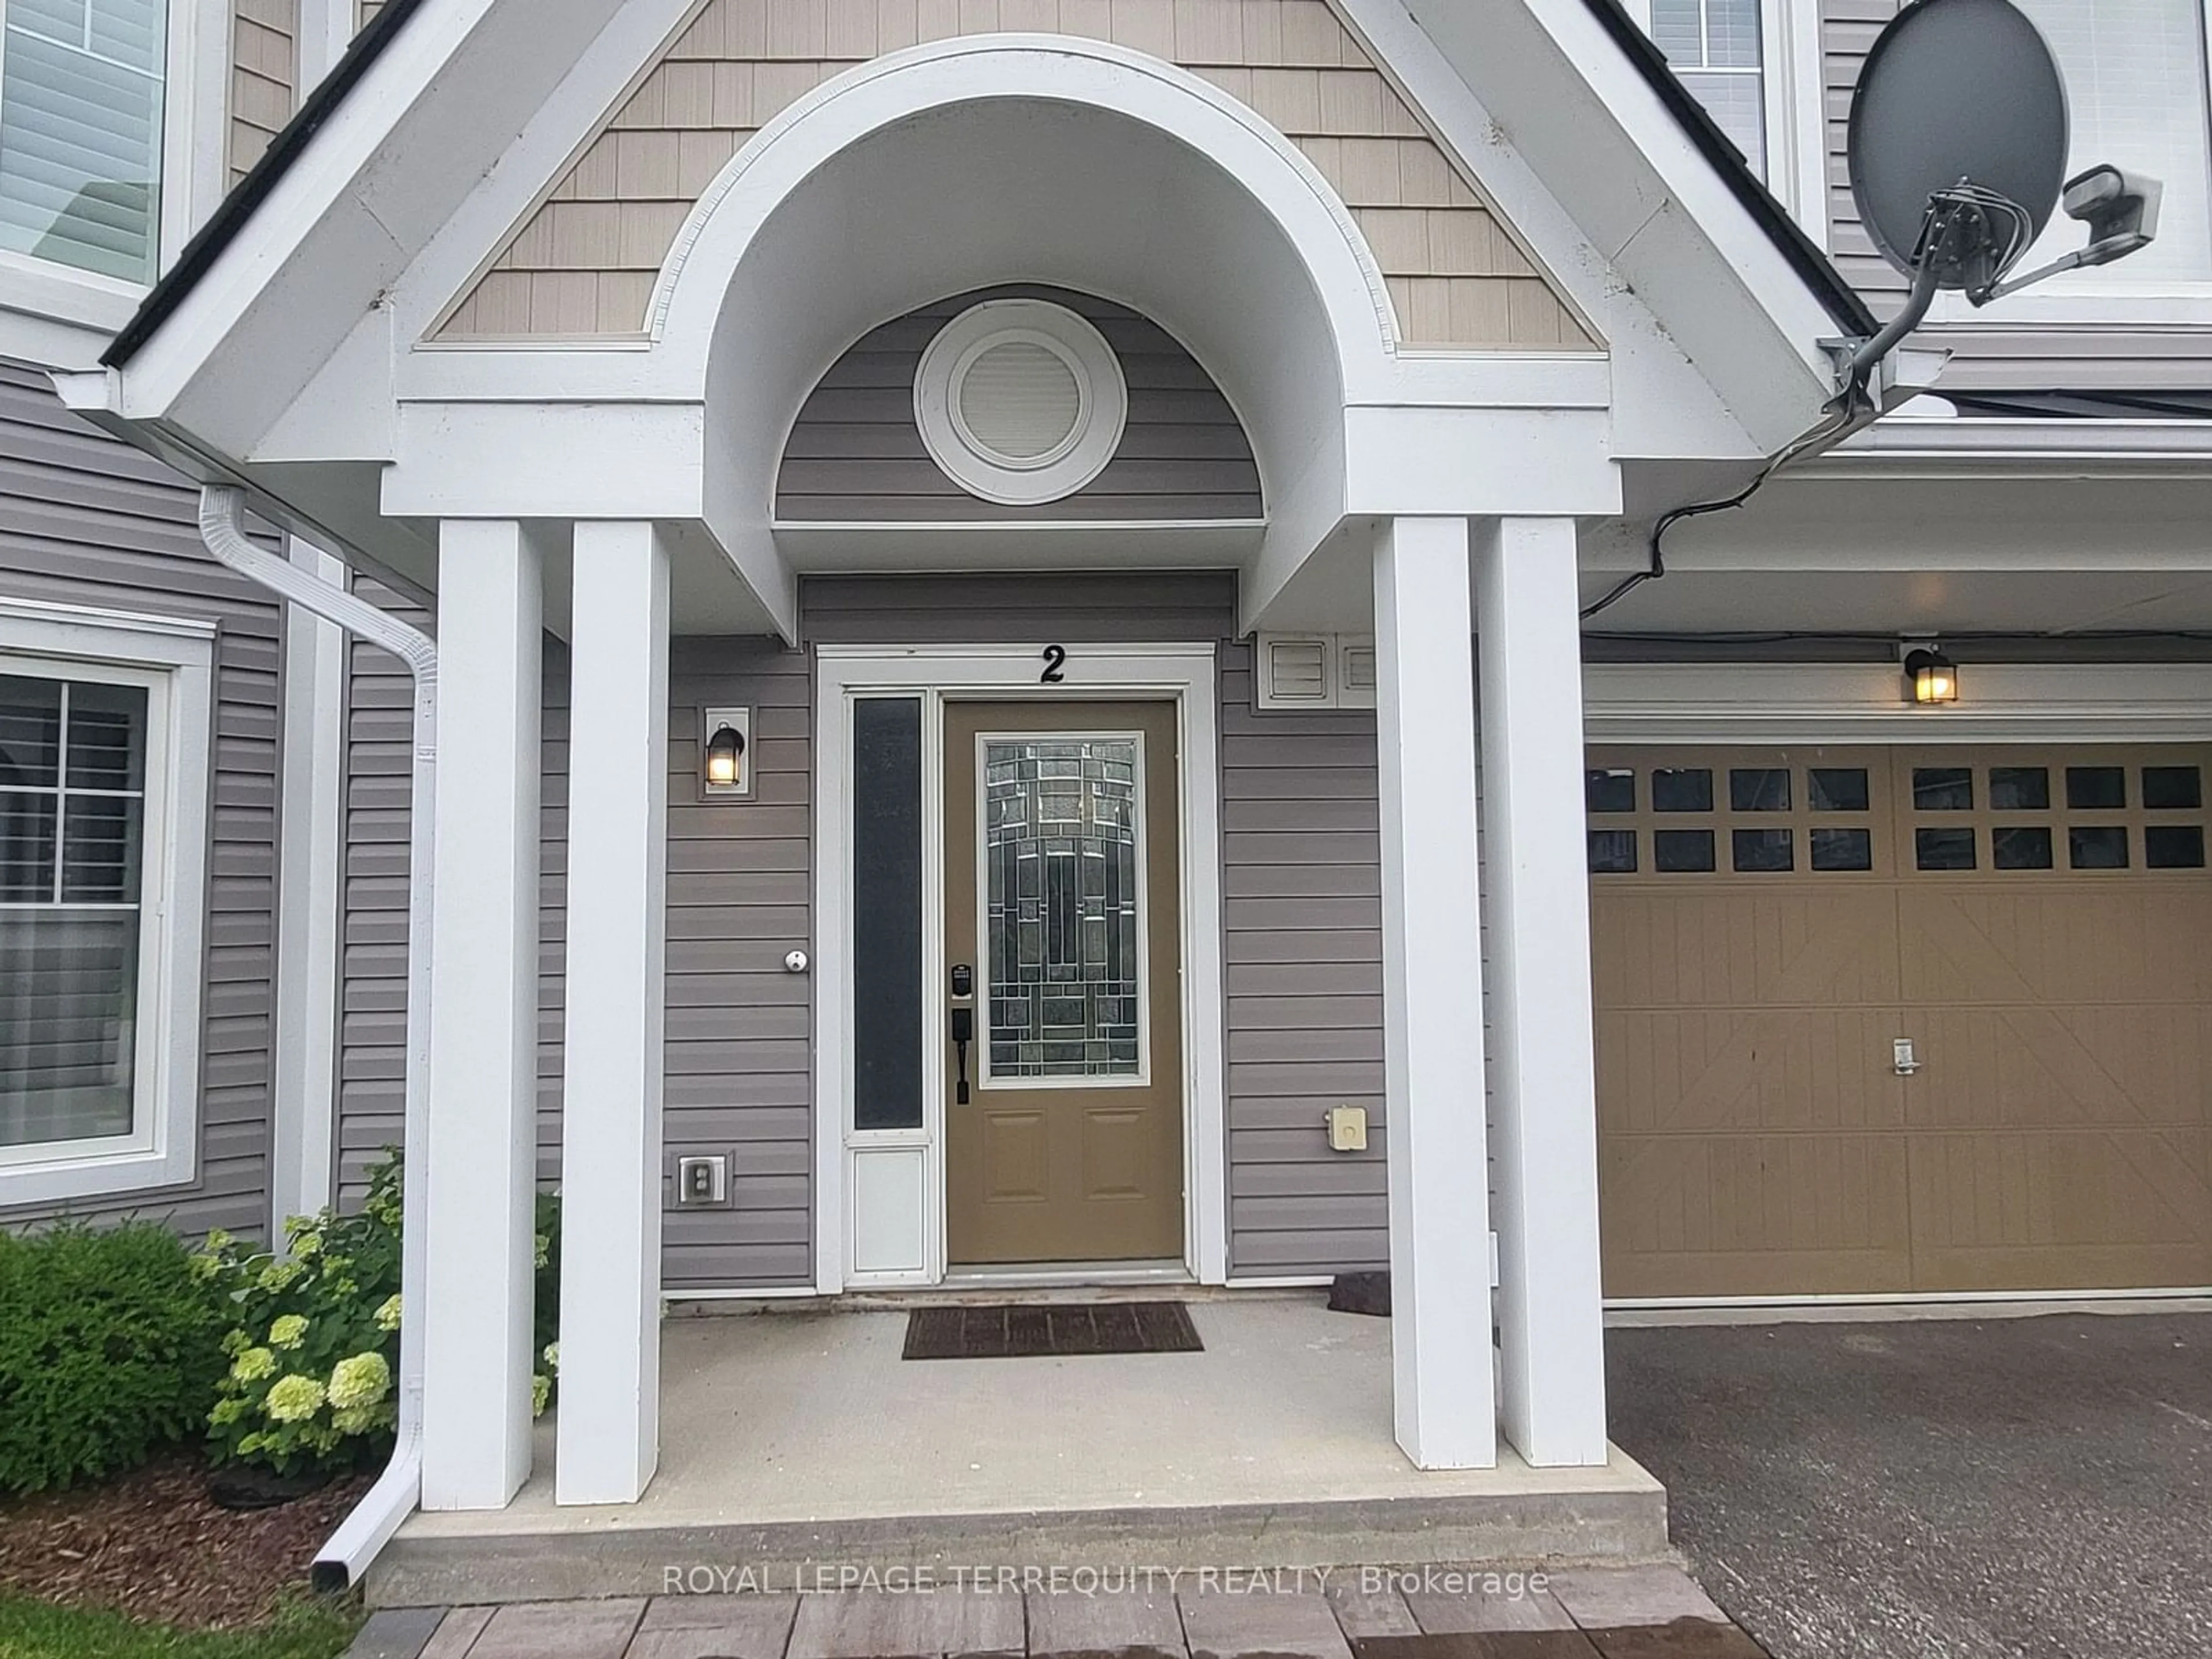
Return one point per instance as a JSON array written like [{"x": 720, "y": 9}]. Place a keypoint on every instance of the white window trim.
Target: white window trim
[
  {"x": 1796, "y": 119},
  {"x": 175, "y": 660},
  {"x": 195, "y": 159}
]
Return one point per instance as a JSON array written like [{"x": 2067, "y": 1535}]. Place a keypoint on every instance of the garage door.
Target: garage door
[{"x": 1890, "y": 1020}]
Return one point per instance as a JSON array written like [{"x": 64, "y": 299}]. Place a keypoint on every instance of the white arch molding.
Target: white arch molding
[{"x": 968, "y": 163}]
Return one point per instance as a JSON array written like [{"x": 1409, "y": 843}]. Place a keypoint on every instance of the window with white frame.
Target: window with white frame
[
  {"x": 2135, "y": 74},
  {"x": 103, "y": 805},
  {"x": 1717, "y": 49},
  {"x": 81, "y": 91}
]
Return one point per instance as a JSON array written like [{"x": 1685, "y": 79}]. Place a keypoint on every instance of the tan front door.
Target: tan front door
[
  {"x": 2033, "y": 922},
  {"x": 1062, "y": 897}
]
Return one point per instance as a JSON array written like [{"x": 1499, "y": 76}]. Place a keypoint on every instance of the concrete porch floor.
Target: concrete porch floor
[{"x": 801, "y": 1436}]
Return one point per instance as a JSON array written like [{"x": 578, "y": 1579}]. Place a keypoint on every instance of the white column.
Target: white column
[
  {"x": 483, "y": 1034},
  {"x": 1544, "y": 1110},
  {"x": 1433, "y": 1133},
  {"x": 610, "y": 1411},
  {"x": 308, "y": 871}
]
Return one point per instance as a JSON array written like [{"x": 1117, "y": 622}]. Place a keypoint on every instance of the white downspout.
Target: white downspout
[{"x": 346, "y": 1556}]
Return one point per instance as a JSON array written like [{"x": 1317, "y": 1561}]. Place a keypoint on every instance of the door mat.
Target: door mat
[{"x": 1021, "y": 1332}]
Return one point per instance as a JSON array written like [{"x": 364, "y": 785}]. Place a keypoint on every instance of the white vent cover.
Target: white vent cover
[
  {"x": 1020, "y": 402},
  {"x": 1316, "y": 671},
  {"x": 1294, "y": 671}
]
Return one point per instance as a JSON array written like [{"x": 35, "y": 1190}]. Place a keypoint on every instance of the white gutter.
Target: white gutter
[{"x": 343, "y": 1559}]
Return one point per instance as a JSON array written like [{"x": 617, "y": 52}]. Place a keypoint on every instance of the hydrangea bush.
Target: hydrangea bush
[{"x": 313, "y": 1339}]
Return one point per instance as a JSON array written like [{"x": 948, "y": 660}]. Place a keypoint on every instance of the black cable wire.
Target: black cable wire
[{"x": 1833, "y": 424}]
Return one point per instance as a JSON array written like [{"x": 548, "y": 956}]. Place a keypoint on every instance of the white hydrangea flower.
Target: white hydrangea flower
[
  {"x": 293, "y": 1399},
  {"x": 361, "y": 1382}
]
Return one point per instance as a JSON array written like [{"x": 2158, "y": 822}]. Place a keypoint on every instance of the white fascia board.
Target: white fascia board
[
  {"x": 1019, "y": 545},
  {"x": 535, "y": 162},
  {"x": 1861, "y": 702},
  {"x": 1567, "y": 100},
  {"x": 538, "y": 461},
  {"x": 1662, "y": 406},
  {"x": 347, "y": 412},
  {"x": 1470, "y": 462},
  {"x": 382, "y": 175},
  {"x": 1969, "y": 446}
]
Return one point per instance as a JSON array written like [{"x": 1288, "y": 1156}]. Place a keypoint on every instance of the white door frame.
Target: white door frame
[{"x": 902, "y": 1171}]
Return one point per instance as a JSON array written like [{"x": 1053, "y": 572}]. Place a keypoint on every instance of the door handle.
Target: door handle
[
  {"x": 1903, "y": 1057},
  {"x": 964, "y": 1027}
]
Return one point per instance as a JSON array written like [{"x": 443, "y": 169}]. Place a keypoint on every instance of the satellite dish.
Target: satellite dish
[{"x": 1960, "y": 102}]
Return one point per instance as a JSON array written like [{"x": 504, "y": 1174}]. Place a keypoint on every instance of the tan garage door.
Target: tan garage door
[{"x": 1769, "y": 926}]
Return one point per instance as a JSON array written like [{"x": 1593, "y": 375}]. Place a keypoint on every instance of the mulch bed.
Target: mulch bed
[{"x": 152, "y": 1545}]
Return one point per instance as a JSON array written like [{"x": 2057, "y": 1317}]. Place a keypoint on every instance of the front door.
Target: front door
[{"x": 1062, "y": 899}]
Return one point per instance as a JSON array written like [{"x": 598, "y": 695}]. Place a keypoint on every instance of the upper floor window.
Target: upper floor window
[
  {"x": 80, "y": 99},
  {"x": 2135, "y": 74},
  {"x": 1716, "y": 48}
]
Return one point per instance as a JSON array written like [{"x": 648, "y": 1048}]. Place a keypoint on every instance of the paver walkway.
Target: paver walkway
[{"x": 1349, "y": 1612}]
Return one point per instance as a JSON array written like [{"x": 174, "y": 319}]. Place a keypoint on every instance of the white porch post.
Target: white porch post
[
  {"x": 483, "y": 1035},
  {"x": 1537, "y": 903},
  {"x": 1434, "y": 1133},
  {"x": 609, "y": 1437}
]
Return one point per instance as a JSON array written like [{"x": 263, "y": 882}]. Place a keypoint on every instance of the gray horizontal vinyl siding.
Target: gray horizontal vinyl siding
[
  {"x": 1303, "y": 950},
  {"x": 377, "y": 791},
  {"x": 740, "y": 1031},
  {"x": 1995, "y": 354},
  {"x": 856, "y": 454},
  {"x": 87, "y": 520},
  {"x": 1303, "y": 962},
  {"x": 739, "y": 1048}
]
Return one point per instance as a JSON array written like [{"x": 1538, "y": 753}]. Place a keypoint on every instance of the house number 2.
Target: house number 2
[{"x": 1055, "y": 666}]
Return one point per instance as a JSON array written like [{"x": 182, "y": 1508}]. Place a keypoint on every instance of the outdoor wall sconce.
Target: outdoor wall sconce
[
  {"x": 1930, "y": 677},
  {"x": 724, "y": 771}
]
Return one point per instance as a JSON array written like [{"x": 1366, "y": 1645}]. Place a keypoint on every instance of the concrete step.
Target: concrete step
[{"x": 1612, "y": 1516}]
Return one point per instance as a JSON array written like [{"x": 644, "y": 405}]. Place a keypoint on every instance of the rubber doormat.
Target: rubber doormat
[{"x": 1025, "y": 1332}]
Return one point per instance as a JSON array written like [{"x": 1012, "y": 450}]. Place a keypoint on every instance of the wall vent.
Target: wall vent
[
  {"x": 1316, "y": 671},
  {"x": 1294, "y": 671}
]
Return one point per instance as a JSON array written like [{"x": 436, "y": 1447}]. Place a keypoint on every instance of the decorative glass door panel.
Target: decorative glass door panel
[{"x": 1063, "y": 900}]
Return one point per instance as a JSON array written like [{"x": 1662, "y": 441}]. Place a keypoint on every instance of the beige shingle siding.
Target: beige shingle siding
[
  {"x": 265, "y": 77},
  {"x": 365, "y": 14},
  {"x": 583, "y": 262}
]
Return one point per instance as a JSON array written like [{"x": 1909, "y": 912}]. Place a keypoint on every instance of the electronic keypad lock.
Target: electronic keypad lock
[{"x": 963, "y": 1026}]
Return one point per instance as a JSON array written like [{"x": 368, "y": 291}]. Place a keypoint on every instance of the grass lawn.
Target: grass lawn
[{"x": 34, "y": 1630}]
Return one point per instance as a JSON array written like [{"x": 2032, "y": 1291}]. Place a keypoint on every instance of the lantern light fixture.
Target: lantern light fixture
[
  {"x": 723, "y": 767},
  {"x": 1931, "y": 678}
]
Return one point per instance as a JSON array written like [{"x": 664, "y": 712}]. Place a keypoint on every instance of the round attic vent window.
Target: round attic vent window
[{"x": 1020, "y": 402}]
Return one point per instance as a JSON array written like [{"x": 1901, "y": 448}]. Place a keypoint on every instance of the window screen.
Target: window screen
[
  {"x": 2135, "y": 93},
  {"x": 72, "y": 818},
  {"x": 1714, "y": 47},
  {"x": 80, "y": 132}
]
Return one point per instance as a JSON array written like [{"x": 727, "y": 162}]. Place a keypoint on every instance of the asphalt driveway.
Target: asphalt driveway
[{"x": 1937, "y": 1489}]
